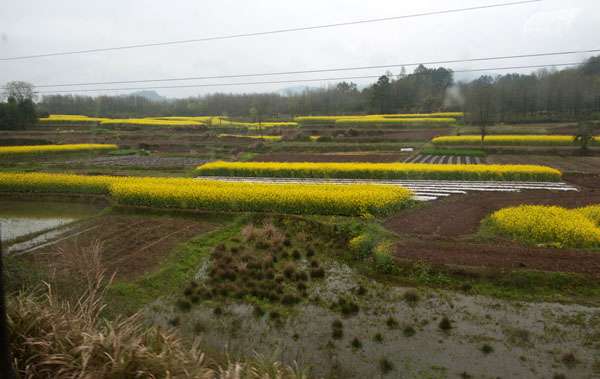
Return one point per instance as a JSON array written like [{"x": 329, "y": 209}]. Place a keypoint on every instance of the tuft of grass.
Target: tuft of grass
[
  {"x": 378, "y": 337},
  {"x": 487, "y": 349},
  {"x": 445, "y": 324},
  {"x": 356, "y": 344},
  {"x": 391, "y": 323},
  {"x": 569, "y": 360},
  {"x": 385, "y": 366},
  {"x": 409, "y": 331},
  {"x": 411, "y": 297},
  {"x": 183, "y": 305}
]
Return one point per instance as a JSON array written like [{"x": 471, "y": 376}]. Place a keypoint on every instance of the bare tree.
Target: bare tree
[{"x": 18, "y": 90}]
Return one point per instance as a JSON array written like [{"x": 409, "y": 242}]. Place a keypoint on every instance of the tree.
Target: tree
[
  {"x": 19, "y": 109},
  {"x": 480, "y": 107},
  {"x": 18, "y": 90},
  {"x": 585, "y": 134},
  {"x": 255, "y": 115},
  {"x": 380, "y": 95}
]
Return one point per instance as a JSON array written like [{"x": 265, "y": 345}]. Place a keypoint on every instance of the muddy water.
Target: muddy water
[
  {"x": 19, "y": 219},
  {"x": 529, "y": 340}
]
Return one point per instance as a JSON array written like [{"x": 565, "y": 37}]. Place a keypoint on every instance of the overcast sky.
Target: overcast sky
[{"x": 33, "y": 27}]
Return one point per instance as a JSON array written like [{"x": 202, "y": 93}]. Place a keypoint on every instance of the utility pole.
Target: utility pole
[{"x": 5, "y": 356}]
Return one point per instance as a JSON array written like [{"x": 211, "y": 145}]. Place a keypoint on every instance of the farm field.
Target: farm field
[{"x": 361, "y": 274}]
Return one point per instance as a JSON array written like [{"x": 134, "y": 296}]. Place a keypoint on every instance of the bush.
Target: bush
[
  {"x": 384, "y": 258},
  {"x": 361, "y": 246}
]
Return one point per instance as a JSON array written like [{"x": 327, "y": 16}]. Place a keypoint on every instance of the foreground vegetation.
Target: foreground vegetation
[
  {"x": 184, "y": 193},
  {"x": 379, "y": 171}
]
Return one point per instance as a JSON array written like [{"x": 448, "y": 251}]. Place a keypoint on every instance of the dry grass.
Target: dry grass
[{"x": 52, "y": 337}]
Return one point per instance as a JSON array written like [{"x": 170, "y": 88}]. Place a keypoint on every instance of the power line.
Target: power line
[
  {"x": 277, "y": 31},
  {"x": 298, "y": 80},
  {"x": 557, "y": 53}
]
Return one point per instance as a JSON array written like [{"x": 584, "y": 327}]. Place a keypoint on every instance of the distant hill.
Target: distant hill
[
  {"x": 150, "y": 95},
  {"x": 294, "y": 90}
]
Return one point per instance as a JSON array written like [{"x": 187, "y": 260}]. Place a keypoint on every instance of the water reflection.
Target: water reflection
[{"x": 22, "y": 218}]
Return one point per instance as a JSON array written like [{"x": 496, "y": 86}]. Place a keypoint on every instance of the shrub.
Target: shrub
[
  {"x": 445, "y": 324},
  {"x": 384, "y": 258},
  {"x": 361, "y": 246}
]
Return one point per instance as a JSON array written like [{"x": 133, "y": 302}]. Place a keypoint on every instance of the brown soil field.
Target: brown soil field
[
  {"x": 131, "y": 244},
  {"x": 438, "y": 232}
]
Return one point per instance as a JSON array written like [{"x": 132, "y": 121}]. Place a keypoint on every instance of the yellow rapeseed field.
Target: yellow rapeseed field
[
  {"x": 379, "y": 171},
  {"x": 394, "y": 121},
  {"x": 267, "y": 138},
  {"x": 70, "y": 119},
  {"x": 377, "y": 117},
  {"x": 592, "y": 212},
  {"x": 547, "y": 225},
  {"x": 555, "y": 140},
  {"x": 186, "y": 193},
  {"x": 45, "y": 149},
  {"x": 150, "y": 122}
]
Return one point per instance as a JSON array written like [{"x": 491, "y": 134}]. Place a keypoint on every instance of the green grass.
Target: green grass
[
  {"x": 454, "y": 152},
  {"x": 176, "y": 271}
]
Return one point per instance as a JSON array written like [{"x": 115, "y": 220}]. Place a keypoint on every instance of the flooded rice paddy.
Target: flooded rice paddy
[{"x": 26, "y": 222}]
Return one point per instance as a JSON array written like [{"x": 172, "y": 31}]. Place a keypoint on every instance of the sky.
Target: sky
[{"x": 36, "y": 27}]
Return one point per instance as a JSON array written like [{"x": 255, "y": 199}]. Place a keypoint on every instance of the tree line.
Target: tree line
[{"x": 545, "y": 95}]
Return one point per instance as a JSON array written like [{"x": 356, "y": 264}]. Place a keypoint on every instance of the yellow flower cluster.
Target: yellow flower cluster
[
  {"x": 45, "y": 149},
  {"x": 380, "y": 171},
  {"x": 266, "y": 138},
  {"x": 186, "y": 193},
  {"x": 548, "y": 225},
  {"x": 507, "y": 140},
  {"x": 592, "y": 212},
  {"x": 70, "y": 119}
]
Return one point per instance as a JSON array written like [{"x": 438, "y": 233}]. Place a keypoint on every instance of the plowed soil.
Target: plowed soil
[
  {"x": 130, "y": 245},
  {"x": 438, "y": 232}
]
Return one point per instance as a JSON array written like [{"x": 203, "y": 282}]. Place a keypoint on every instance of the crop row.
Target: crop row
[
  {"x": 376, "y": 117},
  {"x": 185, "y": 193},
  {"x": 6, "y": 151},
  {"x": 249, "y": 136},
  {"x": 548, "y": 225},
  {"x": 358, "y": 121},
  {"x": 508, "y": 140},
  {"x": 379, "y": 171}
]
